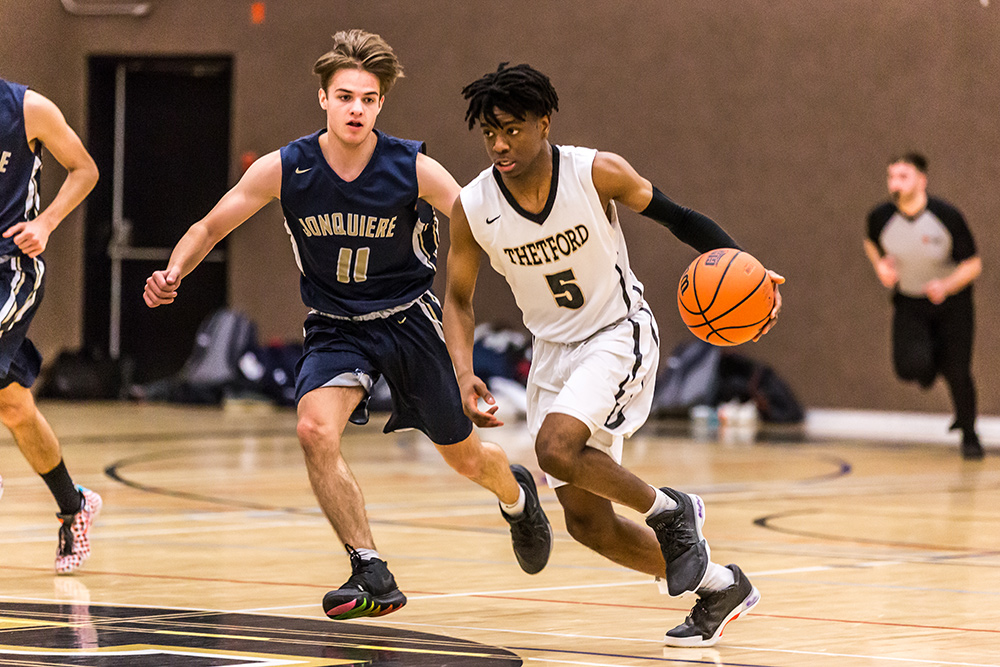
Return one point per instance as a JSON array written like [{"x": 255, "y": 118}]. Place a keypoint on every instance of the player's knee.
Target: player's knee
[
  {"x": 555, "y": 458},
  {"x": 16, "y": 407},
  {"x": 316, "y": 435}
]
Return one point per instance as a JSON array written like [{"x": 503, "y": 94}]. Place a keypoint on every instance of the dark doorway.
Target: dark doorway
[{"x": 159, "y": 131}]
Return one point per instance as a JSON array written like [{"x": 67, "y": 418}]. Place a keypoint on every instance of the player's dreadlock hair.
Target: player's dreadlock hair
[{"x": 517, "y": 90}]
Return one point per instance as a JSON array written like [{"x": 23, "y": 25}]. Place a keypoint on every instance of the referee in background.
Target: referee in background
[{"x": 922, "y": 249}]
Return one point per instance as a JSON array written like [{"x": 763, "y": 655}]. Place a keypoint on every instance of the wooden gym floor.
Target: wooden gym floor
[{"x": 211, "y": 551}]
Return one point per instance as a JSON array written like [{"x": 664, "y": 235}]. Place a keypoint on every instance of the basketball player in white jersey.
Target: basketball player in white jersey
[{"x": 546, "y": 217}]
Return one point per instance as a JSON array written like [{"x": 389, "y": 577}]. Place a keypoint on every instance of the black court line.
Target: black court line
[
  {"x": 768, "y": 522},
  {"x": 114, "y": 471}
]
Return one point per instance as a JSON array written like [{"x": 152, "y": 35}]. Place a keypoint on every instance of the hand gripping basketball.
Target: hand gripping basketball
[{"x": 726, "y": 297}]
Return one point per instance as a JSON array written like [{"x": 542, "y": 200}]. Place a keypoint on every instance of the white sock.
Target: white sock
[
  {"x": 717, "y": 578},
  {"x": 367, "y": 554},
  {"x": 662, "y": 502},
  {"x": 517, "y": 507}
]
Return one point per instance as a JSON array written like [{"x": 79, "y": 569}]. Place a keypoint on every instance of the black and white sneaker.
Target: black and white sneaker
[
  {"x": 684, "y": 548},
  {"x": 530, "y": 532},
  {"x": 713, "y": 611},
  {"x": 370, "y": 591}
]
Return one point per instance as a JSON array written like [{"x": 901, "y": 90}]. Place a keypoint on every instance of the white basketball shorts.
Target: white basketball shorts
[{"x": 605, "y": 381}]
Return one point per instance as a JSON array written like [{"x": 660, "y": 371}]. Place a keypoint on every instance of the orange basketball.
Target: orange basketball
[{"x": 725, "y": 297}]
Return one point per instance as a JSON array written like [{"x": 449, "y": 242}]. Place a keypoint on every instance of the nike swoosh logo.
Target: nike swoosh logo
[
  {"x": 490, "y": 221},
  {"x": 400, "y": 321},
  {"x": 302, "y": 171}
]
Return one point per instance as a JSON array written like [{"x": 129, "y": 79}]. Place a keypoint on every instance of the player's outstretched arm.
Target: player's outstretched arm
[
  {"x": 460, "y": 317},
  {"x": 259, "y": 185},
  {"x": 616, "y": 179},
  {"x": 437, "y": 186},
  {"x": 44, "y": 122}
]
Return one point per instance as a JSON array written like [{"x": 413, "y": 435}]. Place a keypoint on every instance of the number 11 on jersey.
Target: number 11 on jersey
[{"x": 360, "y": 265}]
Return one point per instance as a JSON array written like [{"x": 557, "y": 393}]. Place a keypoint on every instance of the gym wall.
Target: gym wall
[{"x": 774, "y": 118}]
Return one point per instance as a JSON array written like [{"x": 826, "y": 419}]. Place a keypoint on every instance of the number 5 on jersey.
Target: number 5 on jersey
[{"x": 565, "y": 290}]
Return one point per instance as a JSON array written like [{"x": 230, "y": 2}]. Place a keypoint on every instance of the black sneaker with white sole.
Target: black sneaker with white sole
[
  {"x": 685, "y": 550},
  {"x": 713, "y": 611},
  {"x": 530, "y": 532}
]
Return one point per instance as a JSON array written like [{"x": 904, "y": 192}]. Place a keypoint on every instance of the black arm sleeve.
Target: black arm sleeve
[{"x": 697, "y": 230}]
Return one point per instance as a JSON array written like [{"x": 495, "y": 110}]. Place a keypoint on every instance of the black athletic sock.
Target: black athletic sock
[{"x": 63, "y": 490}]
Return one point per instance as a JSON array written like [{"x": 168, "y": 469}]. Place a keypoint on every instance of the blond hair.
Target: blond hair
[{"x": 357, "y": 49}]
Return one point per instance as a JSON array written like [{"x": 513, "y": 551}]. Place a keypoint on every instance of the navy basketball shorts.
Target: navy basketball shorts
[
  {"x": 408, "y": 349},
  {"x": 22, "y": 282}
]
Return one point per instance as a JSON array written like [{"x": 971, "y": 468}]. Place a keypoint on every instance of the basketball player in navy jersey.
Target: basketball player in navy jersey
[
  {"x": 357, "y": 207},
  {"x": 29, "y": 122},
  {"x": 546, "y": 217}
]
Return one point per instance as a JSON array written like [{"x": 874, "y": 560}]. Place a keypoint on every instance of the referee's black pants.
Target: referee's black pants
[{"x": 930, "y": 340}]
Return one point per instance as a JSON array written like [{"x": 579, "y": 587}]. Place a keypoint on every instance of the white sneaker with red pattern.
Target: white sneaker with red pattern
[{"x": 74, "y": 543}]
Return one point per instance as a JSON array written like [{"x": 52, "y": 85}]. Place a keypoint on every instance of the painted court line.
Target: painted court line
[
  {"x": 553, "y": 661},
  {"x": 695, "y": 656},
  {"x": 541, "y": 650},
  {"x": 858, "y": 656},
  {"x": 111, "y": 535},
  {"x": 550, "y": 661},
  {"x": 522, "y": 591},
  {"x": 562, "y": 635},
  {"x": 260, "y": 610},
  {"x": 814, "y": 654}
]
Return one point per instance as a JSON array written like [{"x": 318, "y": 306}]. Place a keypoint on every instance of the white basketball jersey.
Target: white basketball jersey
[{"x": 567, "y": 265}]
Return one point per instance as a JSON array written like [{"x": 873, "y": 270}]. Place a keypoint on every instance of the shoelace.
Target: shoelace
[
  {"x": 679, "y": 531},
  {"x": 66, "y": 538},
  {"x": 355, "y": 557},
  {"x": 359, "y": 569},
  {"x": 681, "y": 535},
  {"x": 699, "y": 611},
  {"x": 523, "y": 527}
]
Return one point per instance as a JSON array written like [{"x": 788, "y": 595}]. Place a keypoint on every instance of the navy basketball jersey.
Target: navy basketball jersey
[
  {"x": 363, "y": 246},
  {"x": 19, "y": 166}
]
